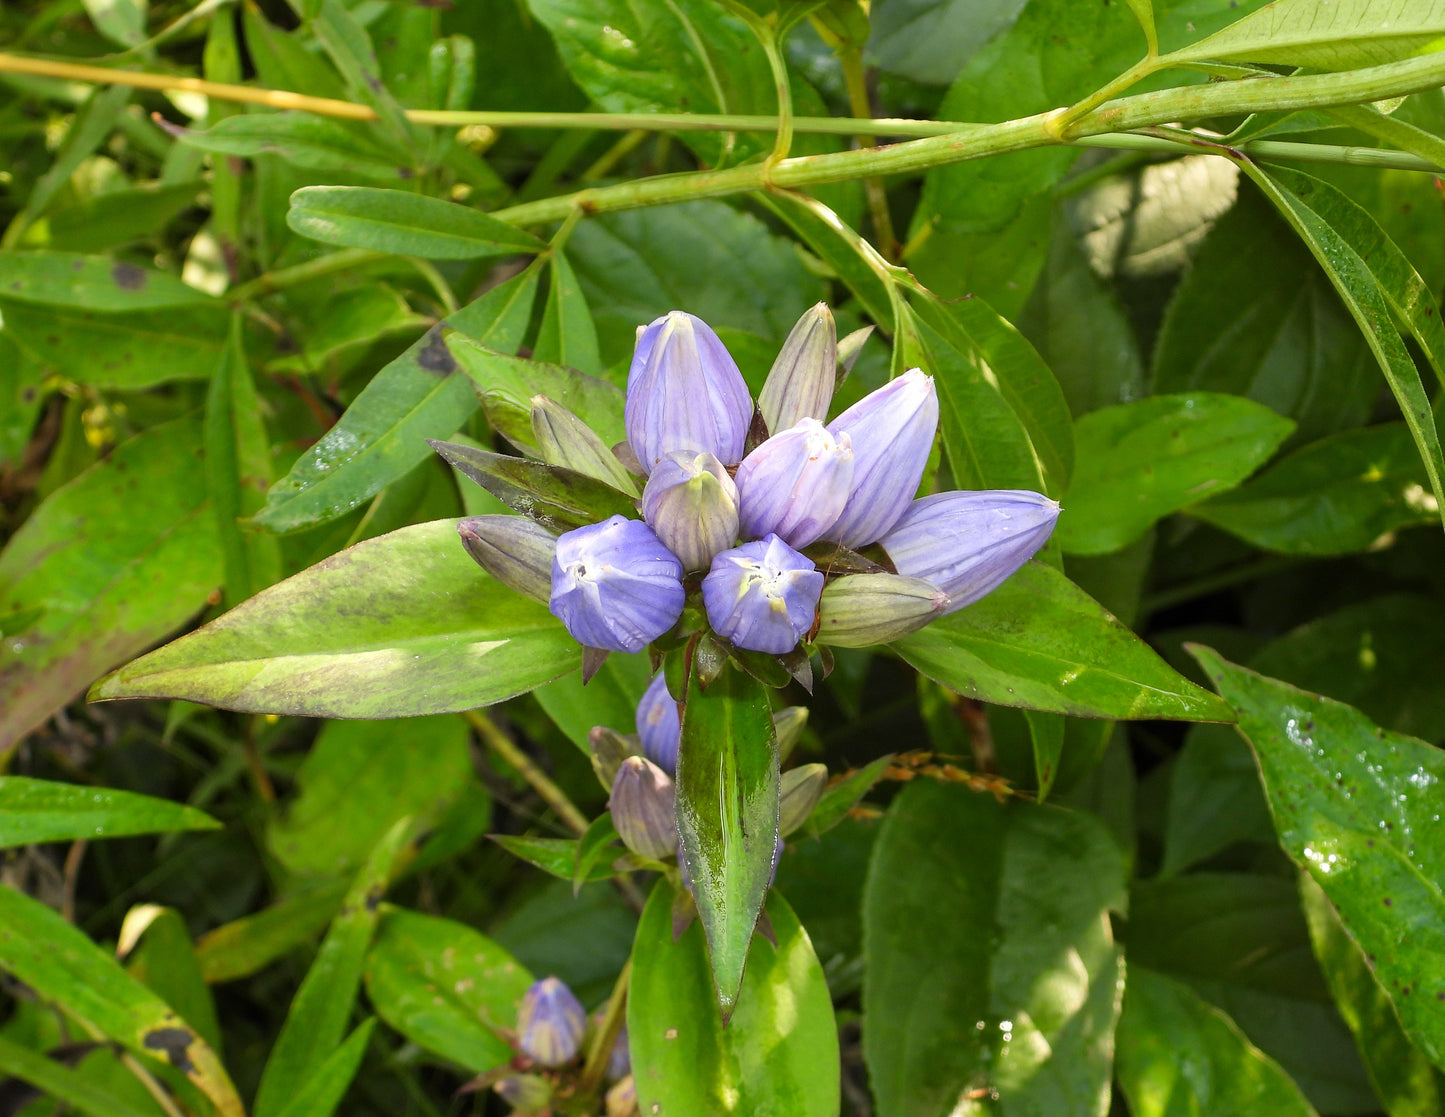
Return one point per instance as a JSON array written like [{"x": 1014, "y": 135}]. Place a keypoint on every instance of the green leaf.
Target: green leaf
[
  {"x": 835, "y": 249},
  {"x": 34, "y": 810},
  {"x": 1332, "y": 497},
  {"x": 929, "y": 40},
  {"x": 118, "y": 217},
  {"x": 1351, "y": 274},
  {"x": 323, "y": 1091},
  {"x": 344, "y": 38},
  {"x": 383, "y": 433},
  {"x": 316, "y": 1021},
  {"x": 358, "y": 779},
  {"x": 1214, "y": 799},
  {"x": 402, "y": 223},
  {"x": 1255, "y": 316},
  {"x": 1403, "y": 1078},
  {"x": 507, "y": 384},
  {"x": 1344, "y": 35},
  {"x": 127, "y": 351},
  {"x": 727, "y": 815},
  {"x": 779, "y": 1054},
  {"x": 446, "y": 987},
  {"x": 1178, "y": 1055},
  {"x": 1140, "y": 461},
  {"x": 399, "y": 626},
  {"x": 167, "y": 963},
  {"x": 1352, "y": 807},
  {"x": 1040, "y": 642},
  {"x": 844, "y": 794},
  {"x": 1005, "y": 421},
  {"x": 609, "y": 698},
  {"x": 91, "y": 282},
  {"x": 712, "y": 260},
  {"x": 247, "y": 945},
  {"x": 1018, "y": 941},
  {"x": 60, "y": 964},
  {"x": 123, "y": 21},
  {"x": 109, "y": 583},
  {"x": 1046, "y": 731},
  {"x": 595, "y": 847},
  {"x": 567, "y": 335},
  {"x": 558, "y": 856},
  {"x": 238, "y": 471},
  {"x": 558, "y": 499},
  {"x": 64, "y": 1083},
  {"x": 304, "y": 140}
]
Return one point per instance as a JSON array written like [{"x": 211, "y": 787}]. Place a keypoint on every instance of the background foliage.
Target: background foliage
[{"x": 219, "y": 363}]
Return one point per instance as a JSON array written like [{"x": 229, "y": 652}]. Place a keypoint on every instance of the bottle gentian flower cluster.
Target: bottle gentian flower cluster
[{"x": 735, "y": 495}]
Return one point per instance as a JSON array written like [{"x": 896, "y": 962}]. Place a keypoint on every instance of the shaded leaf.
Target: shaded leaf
[
  {"x": 34, "y": 810},
  {"x": 402, "y": 223},
  {"x": 91, "y": 282}
]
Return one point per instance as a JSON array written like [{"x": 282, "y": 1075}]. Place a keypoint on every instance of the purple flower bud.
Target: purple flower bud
[
  {"x": 860, "y": 610},
  {"x": 802, "y": 379},
  {"x": 684, "y": 392},
  {"x": 968, "y": 543},
  {"x": 762, "y": 596},
  {"x": 692, "y": 505},
  {"x": 619, "y": 1059},
  {"x": 513, "y": 550},
  {"x": 644, "y": 809},
  {"x": 795, "y": 484},
  {"x": 615, "y": 586},
  {"x": 892, "y": 431},
  {"x": 659, "y": 726},
  {"x": 551, "y": 1023}
]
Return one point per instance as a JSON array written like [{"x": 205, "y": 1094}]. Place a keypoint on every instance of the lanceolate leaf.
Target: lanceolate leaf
[
  {"x": 727, "y": 814},
  {"x": 323, "y": 1091},
  {"x": 1004, "y": 980},
  {"x": 304, "y": 139},
  {"x": 1041, "y": 642},
  {"x": 59, "y": 963},
  {"x": 398, "y": 626},
  {"x": 383, "y": 433},
  {"x": 1355, "y": 806},
  {"x": 91, "y": 282},
  {"x": 403, "y": 223},
  {"x": 45, "y": 811},
  {"x": 778, "y": 1054},
  {"x": 106, "y": 581}
]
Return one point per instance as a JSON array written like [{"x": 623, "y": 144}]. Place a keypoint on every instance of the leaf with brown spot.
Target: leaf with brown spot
[{"x": 92, "y": 282}]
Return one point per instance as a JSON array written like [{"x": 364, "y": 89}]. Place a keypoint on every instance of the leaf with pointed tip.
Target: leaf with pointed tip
[
  {"x": 398, "y": 626},
  {"x": 1040, "y": 642},
  {"x": 727, "y": 815},
  {"x": 558, "y": 499},
  {"x": 403, "y": 223},
  {"x": 45, "y": 811},
  {"x": 1355, "y": 807},
  {"x": 557, "y": 856}
]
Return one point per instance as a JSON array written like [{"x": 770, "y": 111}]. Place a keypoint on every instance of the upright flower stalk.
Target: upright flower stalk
[{"x": 727, "y": 530}]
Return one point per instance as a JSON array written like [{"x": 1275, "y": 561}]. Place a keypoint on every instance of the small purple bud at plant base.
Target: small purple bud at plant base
[
  {"x": 691, "y": 503},
  {"x": 644, "y": 809},
  {"x": 622, "y": 1099},
  {"x": 763, "y": 596},
  {"x": 564, "y": 439},
  {"x": 969, "y": 543},
  {"x": 551, "y": 1023},
  {"x": 526, "y": 1092},
  {"x": 860, "y": 610},
  {"x": 684, "y": 392},
  {"x": 802, "y": 787},
  {"x": 619, "y": 1059},
  {"x": 795, "y": 484},
  {"x": 659, "y": 725},
  {"x": 892, "y": 431},
  {"x": 513, "y": 550},
  {"x": 800, "y": 385},
  {"x": 615, "y": 586}
]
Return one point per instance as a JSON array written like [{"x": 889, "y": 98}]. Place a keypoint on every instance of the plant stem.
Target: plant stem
[
  {"x": 606, "y": 1035},
  {"x": 345, "y": 260},
  {"x": 504, "y": 747},
  {"x": 856, "y": 81}
]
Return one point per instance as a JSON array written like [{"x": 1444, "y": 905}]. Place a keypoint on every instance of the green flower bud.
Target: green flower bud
[
  {"x": 644, "y": 809},
  {"x": 513, "y": 550},
  {"x": 525, "y": 1091},
  {"x": 608, "y": 749},
  {"x": 800, "y": 385},
  {"x": 564, "y": 439},
  {"x": 788, "y": 725},
  {"x": 802, "y": 787},
  {"x": 864, "y": 609}
]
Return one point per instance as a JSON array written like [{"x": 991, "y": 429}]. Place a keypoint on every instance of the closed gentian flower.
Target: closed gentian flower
[
  {"x": 795, "y": 484},
  {"x": 763, "y": 596},
  {"x": 513, "y": 550},
  {"x": 859, "y": 610},
  {"x": 803, "y": 377},
  {"x": 551, "y": 1023},
  {"x": 800, "y": 791},
  {"x": 659, "y": 725},
  {"x": 691, "y": 503},
  {"x": 892, "y": 431},
  {"x": 644, "y": 811},
  {"x": 615, "y": 586},
  {"x": 684, "y": 392},
  {"x": 968, "y": 543}
]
